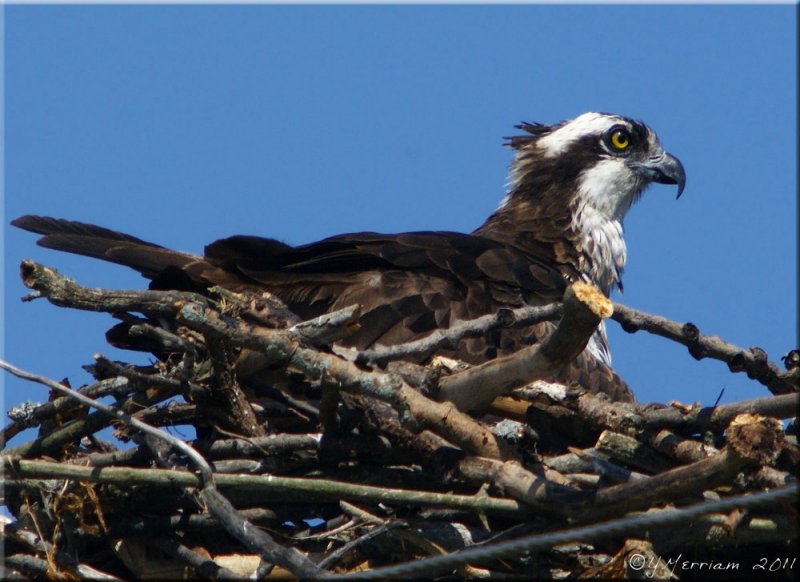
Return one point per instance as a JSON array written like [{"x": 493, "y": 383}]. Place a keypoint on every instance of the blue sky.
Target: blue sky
[{"x": 185, "y": 124}]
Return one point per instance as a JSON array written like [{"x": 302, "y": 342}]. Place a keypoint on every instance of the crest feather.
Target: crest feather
[{"x": 534, "y": 131}]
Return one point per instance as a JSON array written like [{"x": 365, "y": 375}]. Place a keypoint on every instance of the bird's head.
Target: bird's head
[
  {"x": 571, "y": 185},
  {"x": 604, "y": 160}
]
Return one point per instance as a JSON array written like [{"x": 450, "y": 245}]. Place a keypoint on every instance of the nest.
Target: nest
[{"x": 309, "y": 461}]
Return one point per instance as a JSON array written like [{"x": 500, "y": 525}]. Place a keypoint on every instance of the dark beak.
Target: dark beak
[
  {"x": 663, "y": 168},
  {"x": 666, "y": 169}
]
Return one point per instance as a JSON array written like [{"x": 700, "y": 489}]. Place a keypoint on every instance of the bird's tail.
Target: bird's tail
[{"x": 101, "y": 243}]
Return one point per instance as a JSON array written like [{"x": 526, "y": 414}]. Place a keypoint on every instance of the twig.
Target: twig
[
  {"x": 264, "y": 445},
  {"x": 588, "y": 460},
  {"x": 430, "y": 566},
  {"x": 277, "y": 346},
  {"x": 415, "y": 408},
  {"x": 331, "y": 559},
  {"x": 64, "y": 292},
  {"x": 69, "y": 433},
  {"x": 227, "y": 391},
  {"x": 163, "y": 339},
  {"x": 17, "y": 532},
  {"x": 221, "y": 507},
  {"x": 30, "y": 565},
  {"x": 681, "y": 449},
  {"x": 753, "y": 361},
  {"x": 388, "y": 434},
  {"x": 449, "y": 338},
  {"x": 631, "y": 452},
  {"x": 185, "y": 522},
  {"x": 105, "y": 367},
  {"x": 202, "y": 565},
  {"x": 710, "y": 418},
  {"x": 753, "y": 441},
  {"x": 594, "y": 413},
  {"x": 329, "y": 327},
  {"x": 475, "y": 388},
  {"x": 63, "y": 404},
  {"x": 510, "y": 477},
  {"x": 360, "y": 514},
  {"x": 713, "y": 530},
  {"x": 270, "y": 486}
]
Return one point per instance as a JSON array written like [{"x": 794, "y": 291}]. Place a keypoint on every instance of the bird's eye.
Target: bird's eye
[{"x": 619, "y": 139}]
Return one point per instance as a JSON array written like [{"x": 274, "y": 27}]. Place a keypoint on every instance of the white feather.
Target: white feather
[
  {"x": 559, "y": 141},
  {"x": 606, "y": 192}
]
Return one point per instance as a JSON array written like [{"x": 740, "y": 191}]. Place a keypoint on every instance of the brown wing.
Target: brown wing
[{"x": 407, "y": 284}]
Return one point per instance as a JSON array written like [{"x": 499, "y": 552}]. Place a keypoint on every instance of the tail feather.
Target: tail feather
[
  {"x": 101, "y": 243},
  {"x": 48, "y": 226}
]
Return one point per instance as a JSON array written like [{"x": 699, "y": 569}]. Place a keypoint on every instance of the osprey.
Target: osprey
[{"x": 561, "y": 221}]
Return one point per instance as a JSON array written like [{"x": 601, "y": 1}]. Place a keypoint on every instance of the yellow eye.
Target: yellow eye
[{"x": 620, "y": 139}]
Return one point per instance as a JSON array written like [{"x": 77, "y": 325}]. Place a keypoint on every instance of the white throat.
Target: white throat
[
  {"x": 603, "y": 243},
  {"x": 605, "y": 193}
]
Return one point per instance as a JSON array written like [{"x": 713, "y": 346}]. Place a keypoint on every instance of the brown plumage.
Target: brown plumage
[{"x": 412, "y": 283}]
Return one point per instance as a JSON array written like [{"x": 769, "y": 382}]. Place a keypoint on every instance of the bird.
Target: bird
[{"x": 561, "y": 221}]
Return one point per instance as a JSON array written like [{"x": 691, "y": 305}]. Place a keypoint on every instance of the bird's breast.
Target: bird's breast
[{"x": 602, "y": 247}]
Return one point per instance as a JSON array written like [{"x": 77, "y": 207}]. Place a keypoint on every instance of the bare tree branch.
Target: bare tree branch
[
  {"x": 475, "y": 388},
  {"x": 277, "y": 487},
  {"x": 449, "y": 338},
  {"x": 217, "y": 504},
  {"x": 540, "y": 459},
  {"x": 753, "y": 361}
]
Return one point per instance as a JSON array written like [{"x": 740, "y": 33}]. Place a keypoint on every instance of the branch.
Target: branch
[
  {"x": 90, "y": 423},
  {"x": 752, "y": 441},
  {"x": 221, "y": 508},
  {"x": 584, "y": 308},
  {"x": 329, "y": 327},
  {"x": 18, "y": 533},
  {"x": 719, "y": 417},
  {"x": 451, "y": 465},
  {"x": 203, "y": 566},
  {"x": 594, "y": 413},
  {"x": 227, "y": 393},
  {"x": 753, "y": 361},
  {"x": 64, "y": 292},
  {"x": 271, "y": 486},
  {"x": 279, "y": 347},
  {"x": 599, "y": 531},
  {"x": 449, "y": 338}
]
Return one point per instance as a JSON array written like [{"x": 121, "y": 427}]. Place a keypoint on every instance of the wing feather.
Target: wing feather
[{"x": 407, "y": 284}]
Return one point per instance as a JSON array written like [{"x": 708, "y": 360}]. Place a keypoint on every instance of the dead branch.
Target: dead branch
[
  {"x": 277, "y": 346},
  {"x": 216, "y": 503},
  {"x": 328, "y": 328},
  {"x": 200, "y": 564},
  {"x": 428, "y": 478},
  {"x": 282, "y": 488},
  {"x": 475, "y": 388},
  {"x": 450, "y": 337},
  {"x": 416, "y": 409},
  {"x": 14, "y": 531},
  {"x": 717, "y": 418},
  {"x": 64, "y": 292},
  {"x": 681, "y": 449},
  {"x": 753, "y": 361},
  {"x": 595, "y": 413},
  {"x": 754, "y": 441},
  {"x": 629, "y": 451}
]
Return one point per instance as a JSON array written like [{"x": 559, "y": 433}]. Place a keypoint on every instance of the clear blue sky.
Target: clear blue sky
[{"x": 185, "y": 124}]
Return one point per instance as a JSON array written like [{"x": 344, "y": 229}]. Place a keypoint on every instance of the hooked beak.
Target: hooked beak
[{"x": 665, "y": 169}]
